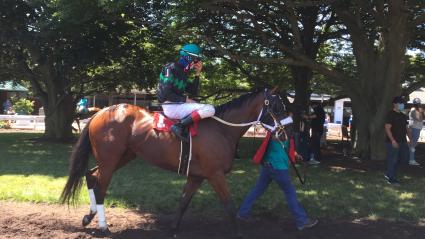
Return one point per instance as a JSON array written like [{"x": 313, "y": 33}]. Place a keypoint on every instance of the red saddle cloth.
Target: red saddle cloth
[{"x": 162, "y": 123}]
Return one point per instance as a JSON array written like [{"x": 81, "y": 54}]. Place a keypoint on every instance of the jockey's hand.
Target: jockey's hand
[
  {"x": 189, "y": 100},
  {"x": 198, "y": 68}
]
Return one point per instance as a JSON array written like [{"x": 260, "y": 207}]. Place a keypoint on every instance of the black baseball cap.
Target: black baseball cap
[{"x": 398, "y": 100}]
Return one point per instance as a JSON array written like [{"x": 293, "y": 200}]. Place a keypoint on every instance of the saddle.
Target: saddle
[{"x": 163, "y": 123}]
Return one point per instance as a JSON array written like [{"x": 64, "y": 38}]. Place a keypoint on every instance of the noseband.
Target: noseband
[{"x": 278, "y": 128}]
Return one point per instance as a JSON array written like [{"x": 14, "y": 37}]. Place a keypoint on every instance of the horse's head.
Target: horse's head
[{"x": 275, "y": 116}]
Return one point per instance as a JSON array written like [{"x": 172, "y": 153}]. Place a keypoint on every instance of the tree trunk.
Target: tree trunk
[
  {"x": 369, "y": 130},
  {"x": 59, "y": 118},
  {"x": 371, "y": 101},
  {"x": 58, "y": 103},
  {"x": 380, "y": 65},
  {"x": 302, "y": 77}
]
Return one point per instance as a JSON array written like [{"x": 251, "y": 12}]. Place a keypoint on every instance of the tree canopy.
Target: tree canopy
[
  {"x": 356, "y": 48},
  {"x": 67, "y": 49},
  {"x": 372, "y": 37}
]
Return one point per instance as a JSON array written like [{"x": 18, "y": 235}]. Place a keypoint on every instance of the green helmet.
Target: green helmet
[{"x": 191, "y": 49}]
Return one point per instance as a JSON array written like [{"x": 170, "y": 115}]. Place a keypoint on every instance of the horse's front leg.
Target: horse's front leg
[
  {"x": 192, "y": 185},
  {"x": 219, "y": 184}
]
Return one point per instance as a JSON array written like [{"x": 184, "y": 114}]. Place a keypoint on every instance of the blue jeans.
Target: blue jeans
[
  {"x": 303, "y": 145},
  {"x": 394, "y": 155},
  {"x": 414, "y": 142},
  {"x": 282, "y": 178}
]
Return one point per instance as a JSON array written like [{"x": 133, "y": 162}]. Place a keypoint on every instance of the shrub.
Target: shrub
[
  {"x": 23, "y": 106},
  {"x": 4, "y": 124}
]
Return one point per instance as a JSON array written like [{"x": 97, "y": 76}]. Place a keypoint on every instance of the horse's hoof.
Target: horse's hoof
[
  {"x": 87, "y": 219},
  {"x": 104, "y": 231}
]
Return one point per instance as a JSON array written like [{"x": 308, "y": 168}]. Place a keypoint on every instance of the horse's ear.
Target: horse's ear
[{"x": 272, "y": 91}]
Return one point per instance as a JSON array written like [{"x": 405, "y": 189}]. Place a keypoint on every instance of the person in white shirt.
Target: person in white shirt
[{"x": 416, "y": 117}]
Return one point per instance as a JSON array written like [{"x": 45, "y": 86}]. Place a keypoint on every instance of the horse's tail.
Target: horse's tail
[{"x": 78, "y": 167}]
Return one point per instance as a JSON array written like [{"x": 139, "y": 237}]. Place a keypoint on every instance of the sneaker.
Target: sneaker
[
  {"x": 386, "y": 177},
  {"x": 414, "y": 163},
  {"x": 245, "y": 219},
  {"x": 393, "y": 182},
  {"x": 313, "y": 162},
  {"x": 309, "y": 224}
]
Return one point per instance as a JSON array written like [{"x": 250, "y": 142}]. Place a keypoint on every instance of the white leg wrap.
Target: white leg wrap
[
  {"x": 93, "y": 208},
  {"x": 101, "y": 216}
]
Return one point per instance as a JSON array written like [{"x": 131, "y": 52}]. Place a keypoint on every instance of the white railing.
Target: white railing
[
  {"x": 334, "y": 129},
  {"x": 35, "y": 122}
]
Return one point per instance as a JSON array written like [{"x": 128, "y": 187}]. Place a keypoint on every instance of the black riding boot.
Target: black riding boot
[{"x": 180, "y": 128}]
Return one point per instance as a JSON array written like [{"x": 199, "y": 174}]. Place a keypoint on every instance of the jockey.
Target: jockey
[
  {"x": 82, "y": 106},
  {"x": 173, "y": 83}
]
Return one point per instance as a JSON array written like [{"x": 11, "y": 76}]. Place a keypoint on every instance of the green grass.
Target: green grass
[{"x": 36, "y": 172}]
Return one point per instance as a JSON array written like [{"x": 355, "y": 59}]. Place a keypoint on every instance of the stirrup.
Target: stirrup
[{"x": 179, "y": 131}]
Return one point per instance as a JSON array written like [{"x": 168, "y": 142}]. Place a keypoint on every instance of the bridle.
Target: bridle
[{"x": 278, "y": 127}]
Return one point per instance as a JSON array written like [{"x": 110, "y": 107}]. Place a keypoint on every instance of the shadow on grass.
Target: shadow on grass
[
  {"x": 330, "y": 192},
  {"x": 22, "y": 155}
]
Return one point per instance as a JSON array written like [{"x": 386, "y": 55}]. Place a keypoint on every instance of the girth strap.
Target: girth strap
[{"x": 185, "y": 157}]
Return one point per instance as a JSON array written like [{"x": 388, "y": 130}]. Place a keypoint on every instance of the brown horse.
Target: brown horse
[
  {"x": 119, "y": 133},
  {"x": 81, "y": 116}
]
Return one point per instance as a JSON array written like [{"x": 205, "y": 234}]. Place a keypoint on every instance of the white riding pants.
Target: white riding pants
[{"x": 179, "y": 111}]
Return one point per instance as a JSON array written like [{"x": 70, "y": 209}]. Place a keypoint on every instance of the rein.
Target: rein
[
  {"x": 266, "y": 103},
  {"x": 239, "y": 124}
]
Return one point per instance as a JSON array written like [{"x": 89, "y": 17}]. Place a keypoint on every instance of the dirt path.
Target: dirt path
[{"x": 28, "y": 220}]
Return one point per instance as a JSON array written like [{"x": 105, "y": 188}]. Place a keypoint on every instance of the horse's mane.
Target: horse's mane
[{"x": 244, "y": 99}]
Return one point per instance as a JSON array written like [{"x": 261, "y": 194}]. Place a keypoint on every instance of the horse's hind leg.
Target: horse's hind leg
[
  {"x": 98, "y": 180},
  {"x": 219, "y": 184},
  {"x": 91, "y": 184},
  {"x": 192, "y": 185}
]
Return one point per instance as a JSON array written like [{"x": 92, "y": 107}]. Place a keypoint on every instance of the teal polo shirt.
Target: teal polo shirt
[{"x": 276, "y": 155}]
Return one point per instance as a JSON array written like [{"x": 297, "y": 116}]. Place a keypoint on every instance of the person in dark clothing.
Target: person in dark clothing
[
  {"x": 174, "y": 83},
  {"x": 303, "y": 139},
  {"x": 396, "y": 129},
  {"x": 317, "y": 120}
]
